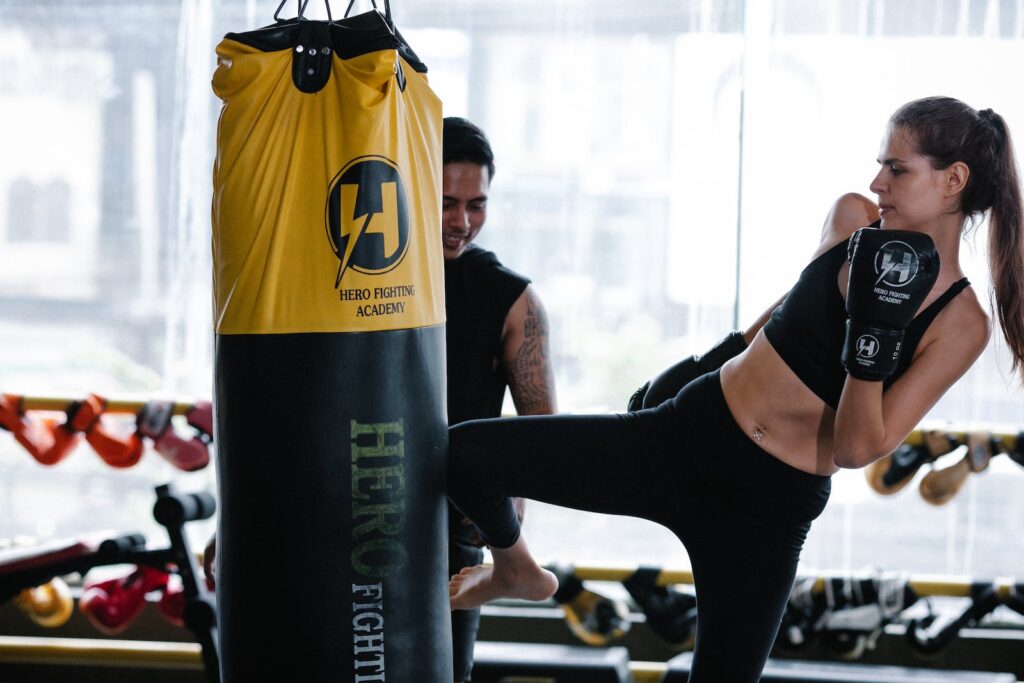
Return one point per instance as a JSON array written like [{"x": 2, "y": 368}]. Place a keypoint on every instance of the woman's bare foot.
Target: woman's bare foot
[{"x": 514, "y": 574}]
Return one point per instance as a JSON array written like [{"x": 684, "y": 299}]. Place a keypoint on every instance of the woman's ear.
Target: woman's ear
[{"x": 956, "y": 178}]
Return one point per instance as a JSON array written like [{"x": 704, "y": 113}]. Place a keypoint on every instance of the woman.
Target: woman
[{"x": 880, "y": 324}]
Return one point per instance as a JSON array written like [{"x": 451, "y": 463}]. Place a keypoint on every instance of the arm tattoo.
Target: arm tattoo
[{"x": 529, "y": 371}]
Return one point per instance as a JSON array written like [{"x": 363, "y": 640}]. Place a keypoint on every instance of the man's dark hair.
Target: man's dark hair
[{"x": 464, "y": 141}]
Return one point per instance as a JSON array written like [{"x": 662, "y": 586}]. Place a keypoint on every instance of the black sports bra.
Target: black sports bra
[{"x": 809, "y": 328}]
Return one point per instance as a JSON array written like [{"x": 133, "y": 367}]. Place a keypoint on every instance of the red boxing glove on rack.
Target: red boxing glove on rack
[
  {"x": 114, "y": 604},
  {"x": 154, "y": 422},
  {"x": 35, "y": 436},
  {"x": 200, "y": 416},
  {"x": 172, "y": 603},
  {"x": 46, "y": 440},
  {"x": 116, "y": 451}
]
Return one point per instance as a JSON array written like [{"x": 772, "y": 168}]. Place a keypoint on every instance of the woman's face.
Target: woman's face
[{"x": 911, "y": 194}]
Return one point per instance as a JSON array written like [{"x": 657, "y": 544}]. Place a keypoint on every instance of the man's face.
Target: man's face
[{"x": 463, "y": 206}]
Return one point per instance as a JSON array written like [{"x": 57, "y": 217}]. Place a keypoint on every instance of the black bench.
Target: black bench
[
  {"x": 792, "y": 671},
  {"x": 563, "y": 663}
]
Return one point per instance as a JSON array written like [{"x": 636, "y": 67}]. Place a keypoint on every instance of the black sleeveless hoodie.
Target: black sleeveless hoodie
[{"x": 478, "y": 293}]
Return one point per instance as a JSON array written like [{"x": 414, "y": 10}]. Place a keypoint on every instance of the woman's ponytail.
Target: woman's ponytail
[{"x": 1006, "y": 240}]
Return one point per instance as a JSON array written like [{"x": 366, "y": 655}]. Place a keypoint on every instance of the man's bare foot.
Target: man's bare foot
[{"x": 514, "y": 574}]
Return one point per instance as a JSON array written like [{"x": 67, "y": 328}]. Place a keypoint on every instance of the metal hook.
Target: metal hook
[
  {"x": 387, "y": 9},
  {"x": 302, "y": 10},
  {"x": 278, "y": 11}
]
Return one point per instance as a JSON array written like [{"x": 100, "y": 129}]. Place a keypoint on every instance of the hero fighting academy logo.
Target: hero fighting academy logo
[
  {"x": 867, "y": 346},
  {"x": 896, "y": 264},
  {"x": 368, "y": 217}
]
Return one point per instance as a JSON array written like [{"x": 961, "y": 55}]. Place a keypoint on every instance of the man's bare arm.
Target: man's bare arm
[{"x": 526, "y": 356}]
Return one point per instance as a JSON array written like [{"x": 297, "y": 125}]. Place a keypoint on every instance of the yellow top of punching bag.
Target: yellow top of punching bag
[{"x": 326, "y": 205}]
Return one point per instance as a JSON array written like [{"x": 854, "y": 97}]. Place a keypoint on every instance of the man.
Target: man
[{"x": 497, "y": 336}]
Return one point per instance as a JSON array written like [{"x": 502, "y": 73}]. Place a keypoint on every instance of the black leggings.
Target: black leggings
[{"x": 741, "y": 513}]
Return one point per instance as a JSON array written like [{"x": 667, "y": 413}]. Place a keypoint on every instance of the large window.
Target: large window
[{"x": 664, "y": 169}]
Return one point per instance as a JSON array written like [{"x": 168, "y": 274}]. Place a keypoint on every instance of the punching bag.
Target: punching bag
[{"x": 329, "y": 370}]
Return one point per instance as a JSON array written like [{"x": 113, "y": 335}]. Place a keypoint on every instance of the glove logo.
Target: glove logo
[
  {"x": 896, "y": 264},
  {"x": 367, "y": 217},
  {"x": 904, "y": 457},
  {"x": 867, "y": 346}
]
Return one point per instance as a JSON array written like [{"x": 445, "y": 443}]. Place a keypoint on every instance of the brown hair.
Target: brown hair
[{"x": 946, "y": 131}]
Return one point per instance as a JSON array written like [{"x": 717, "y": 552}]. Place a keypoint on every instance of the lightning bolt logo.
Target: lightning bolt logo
[
  {"x": 367, "y": 217},
  {"x": 897, "y": 258},
  {"x": 886, "y": 270},
  {"x": 350, "y": 241}
]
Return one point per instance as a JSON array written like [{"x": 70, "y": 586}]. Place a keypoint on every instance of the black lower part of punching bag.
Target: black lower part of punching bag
[{"x": 332, "y": 535}]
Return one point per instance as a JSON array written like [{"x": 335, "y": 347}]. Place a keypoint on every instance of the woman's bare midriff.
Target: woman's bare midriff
[{"x": 776, "y": 410}]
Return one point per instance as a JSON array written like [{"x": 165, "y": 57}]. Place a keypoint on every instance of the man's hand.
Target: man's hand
[
  {"x": 209, "y": 556},
  {"x": 520, "y": 505}
]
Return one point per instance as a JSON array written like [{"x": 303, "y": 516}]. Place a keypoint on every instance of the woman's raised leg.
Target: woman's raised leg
[{"x": 614, "y": 464}]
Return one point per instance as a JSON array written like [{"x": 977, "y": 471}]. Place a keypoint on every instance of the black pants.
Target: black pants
[{"x": 741, "y": 513}]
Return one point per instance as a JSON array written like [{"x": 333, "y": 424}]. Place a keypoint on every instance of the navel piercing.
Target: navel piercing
[{"x": 758, "y": 433}]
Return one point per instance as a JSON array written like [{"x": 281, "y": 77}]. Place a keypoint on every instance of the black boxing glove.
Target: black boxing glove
[
  {"x": 891, "y": 273},
  {"x": 669, "y": 382}
]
